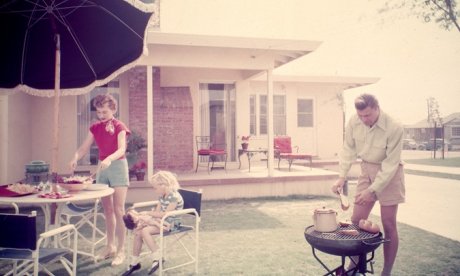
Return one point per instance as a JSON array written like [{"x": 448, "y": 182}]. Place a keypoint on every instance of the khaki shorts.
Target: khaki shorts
[{"x": 394, "y": 193}]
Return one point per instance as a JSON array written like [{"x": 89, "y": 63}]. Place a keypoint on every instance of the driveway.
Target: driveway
[{"x": 431, "y": 204}]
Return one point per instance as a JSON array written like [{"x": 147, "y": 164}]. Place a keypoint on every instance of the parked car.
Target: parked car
[
  {"x": 430, "y": 144},
  {"x": 409, "y": 144}
]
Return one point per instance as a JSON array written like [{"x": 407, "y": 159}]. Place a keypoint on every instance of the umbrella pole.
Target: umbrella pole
[{"x": 55, "y": 149}]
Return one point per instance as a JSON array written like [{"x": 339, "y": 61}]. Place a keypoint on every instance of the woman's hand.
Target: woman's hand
[
  {"x": 105, "y": 163},
  {"x": 73, "y": 164}
]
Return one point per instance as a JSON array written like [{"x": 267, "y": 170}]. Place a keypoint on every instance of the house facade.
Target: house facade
[
  {"x": 424, "y": 130},
  {"x": 189, "y": 85}
]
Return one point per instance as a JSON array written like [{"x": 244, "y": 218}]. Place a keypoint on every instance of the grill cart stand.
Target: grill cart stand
[
  {"x": 339, "y": 244},
  {"x": 360, "y": 267}
]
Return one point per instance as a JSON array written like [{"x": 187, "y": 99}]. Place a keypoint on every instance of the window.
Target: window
[
  {"x": 279, "y": 115},
  {"x": 455, "y": 131},
  {"x": 304, "y": 113},
  {"x": 86, "y": 115},
  {"x": 263, "y": 128},
  {"x": 252, "y": 115}
]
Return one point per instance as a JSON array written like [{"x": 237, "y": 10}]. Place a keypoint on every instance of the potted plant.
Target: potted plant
[
  {"x": 245, "y": 141},
  {"x": 139, "y": 170}
]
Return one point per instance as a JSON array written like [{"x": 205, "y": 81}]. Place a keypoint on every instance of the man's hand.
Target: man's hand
[
  {"x": 364, "y": 197},
  {"x": 338, "y": 185}
]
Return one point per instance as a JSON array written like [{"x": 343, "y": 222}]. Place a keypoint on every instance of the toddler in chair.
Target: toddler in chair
[{"x": 147, "y": 223}]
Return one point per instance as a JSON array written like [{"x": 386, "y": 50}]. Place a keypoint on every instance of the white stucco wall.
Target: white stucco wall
[
  {"x": 324, "y": 139},
  {"x": 27, "y": 124},
  {"x": 17, "y": 143}
]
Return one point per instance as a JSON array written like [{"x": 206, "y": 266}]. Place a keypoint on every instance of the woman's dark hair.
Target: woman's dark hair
[
  {"x": 366, "y": 100},
  {"x": 100, "y": 100}
]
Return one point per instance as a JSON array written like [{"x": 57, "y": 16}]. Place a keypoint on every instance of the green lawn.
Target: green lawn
[
  {"x": 447, "y": 162},
  {"x": 266, "y": 237}
]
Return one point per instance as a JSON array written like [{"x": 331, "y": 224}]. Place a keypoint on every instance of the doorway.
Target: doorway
[{"x": 217, "y": 115}]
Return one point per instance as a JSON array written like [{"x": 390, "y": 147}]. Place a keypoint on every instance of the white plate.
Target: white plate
[{"x": 96, "y": 187}]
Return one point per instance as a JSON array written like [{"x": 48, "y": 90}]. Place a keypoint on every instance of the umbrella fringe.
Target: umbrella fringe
[
  {"x": 143, "y": 6},
  {"x": 77, "y": 91},
  {"x": 153, "y": 21}
]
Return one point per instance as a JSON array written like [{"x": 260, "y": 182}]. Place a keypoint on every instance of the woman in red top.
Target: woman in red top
[{"x": 110, "y": 136}]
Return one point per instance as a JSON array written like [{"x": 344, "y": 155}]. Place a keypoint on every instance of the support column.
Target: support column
[
  {"x": 270, "y": 134},
  {"x": 150, "y": 141}
]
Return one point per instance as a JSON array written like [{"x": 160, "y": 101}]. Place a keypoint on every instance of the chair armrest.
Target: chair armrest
[
  {"x": 144, "y": 204},
  {"x": 13, "y": 205},
  {"x": 180, "y": 212},
  {"x": 56, "y": 231}
]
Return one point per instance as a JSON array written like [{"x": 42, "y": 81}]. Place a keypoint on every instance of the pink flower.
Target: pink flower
[
  {"x": 139, "y": 166},
  {"x": 245, "y": 138}
]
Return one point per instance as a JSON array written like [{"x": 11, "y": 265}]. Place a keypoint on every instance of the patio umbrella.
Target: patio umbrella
[{"x": 68, "y": 47}]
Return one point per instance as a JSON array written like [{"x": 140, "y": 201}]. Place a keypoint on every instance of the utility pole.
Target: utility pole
[{"x": 434, "y": 116}]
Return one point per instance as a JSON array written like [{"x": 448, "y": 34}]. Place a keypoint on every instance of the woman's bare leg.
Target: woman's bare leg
[
  {"x": 119, "y": 199},
  {"x": 107, "y": 206}
]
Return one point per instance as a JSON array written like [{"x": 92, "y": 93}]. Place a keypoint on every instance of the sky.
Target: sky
[{"x": 414, "y": 60}]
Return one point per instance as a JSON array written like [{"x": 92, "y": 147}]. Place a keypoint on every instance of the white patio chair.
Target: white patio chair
[
  {"x": 85, "y": 218},
  {"x": 19, "y": 244},
  {"x": 192, "y": 210}
]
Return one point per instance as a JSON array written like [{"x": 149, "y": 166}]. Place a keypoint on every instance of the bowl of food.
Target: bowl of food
[{"x": 75, "y": 183}]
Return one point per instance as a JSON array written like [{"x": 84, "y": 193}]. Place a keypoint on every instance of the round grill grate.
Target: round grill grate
[{"x": 336, "y": 235}]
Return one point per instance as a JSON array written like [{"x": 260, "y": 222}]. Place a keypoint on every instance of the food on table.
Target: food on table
[
  {"x": 76, "y": 179},
  {"x": 54, "y": 195},
  {"x": 21, "y": 188}
]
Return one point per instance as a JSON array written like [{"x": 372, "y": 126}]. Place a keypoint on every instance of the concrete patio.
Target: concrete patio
[{"x": 242, "y": 183}]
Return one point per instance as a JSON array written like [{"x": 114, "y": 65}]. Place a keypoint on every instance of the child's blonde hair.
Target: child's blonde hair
[{"x": 165, "y": 178}]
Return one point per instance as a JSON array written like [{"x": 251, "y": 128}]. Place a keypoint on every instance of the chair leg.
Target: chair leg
[
  {"x": 210, "y": 159},
  {"x": 290, "y": 163}
]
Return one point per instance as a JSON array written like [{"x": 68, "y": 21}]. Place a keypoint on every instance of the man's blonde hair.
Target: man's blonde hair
[{"x": 165, "y": 178}]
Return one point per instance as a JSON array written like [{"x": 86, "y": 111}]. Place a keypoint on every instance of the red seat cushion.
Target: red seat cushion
[
  {"x": 217, "y": 151},
  {"x": 203, "y": 151}
]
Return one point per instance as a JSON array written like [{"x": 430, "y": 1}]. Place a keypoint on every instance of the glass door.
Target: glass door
[{"x": 218, "y": 115}]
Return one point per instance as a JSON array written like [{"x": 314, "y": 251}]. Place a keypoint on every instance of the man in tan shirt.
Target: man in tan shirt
[{"x": 376, "y": 139}]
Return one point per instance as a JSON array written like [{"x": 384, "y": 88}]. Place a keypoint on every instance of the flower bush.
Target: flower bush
[
  {"x": 245, "y": 138},
  {"x": 135, "y": 143},
  {"x": 139, "y": 166}
]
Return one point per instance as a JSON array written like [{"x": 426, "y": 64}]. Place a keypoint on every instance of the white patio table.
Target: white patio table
[{"x": 46, "y": 203}]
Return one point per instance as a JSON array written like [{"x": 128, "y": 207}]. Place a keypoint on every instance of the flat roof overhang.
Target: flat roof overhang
[{"x": 251, "y": 55}]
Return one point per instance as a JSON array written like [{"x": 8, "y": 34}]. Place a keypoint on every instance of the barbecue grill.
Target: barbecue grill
[{"x": 339, "y": 244}]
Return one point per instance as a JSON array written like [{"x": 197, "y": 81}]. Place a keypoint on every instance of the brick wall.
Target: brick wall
[{"x": 172, "y": 120}]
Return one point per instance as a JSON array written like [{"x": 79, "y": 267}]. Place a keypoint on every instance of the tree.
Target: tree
[
  {"x": 434, "y": 116},
  {"x": 445, "y": 13}
]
